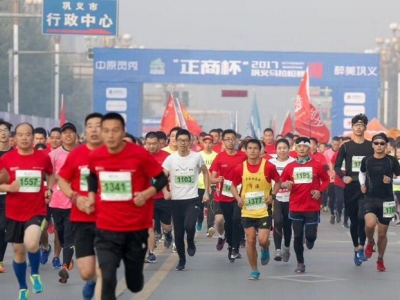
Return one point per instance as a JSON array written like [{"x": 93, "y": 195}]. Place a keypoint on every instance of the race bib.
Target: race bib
[
  {"x": 85, "y": 172},
  {"x": 184, "y": 179},
  {"x": 389, "y": 209},
  {"x": 303, "y": 175},
  {"x": 30, "y": 181},
  {"x": 356, "y": 163},
  {"x": 116, "y": 186},
  {"x": 255, "y": 200},
  {"x": 226, "y": 188}
]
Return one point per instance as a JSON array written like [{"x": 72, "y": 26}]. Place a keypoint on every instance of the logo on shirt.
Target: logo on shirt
[
  {"x": 83, "y": 167},
  {"x": 14, "y": 168}
]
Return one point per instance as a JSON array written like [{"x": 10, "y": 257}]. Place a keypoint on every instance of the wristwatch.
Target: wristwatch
[{"x": 273, "y": 196}]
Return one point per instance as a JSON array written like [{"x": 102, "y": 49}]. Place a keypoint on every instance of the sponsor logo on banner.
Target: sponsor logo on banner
[
  {"x": 117, "y": 93},
  {"x": 157, "y": 67},
  {"x": 352, "y": 110},
  {"x": 116, "y": 105},
  {"x": 354, "y": 98},
  {"x": 347, "y": 123}
]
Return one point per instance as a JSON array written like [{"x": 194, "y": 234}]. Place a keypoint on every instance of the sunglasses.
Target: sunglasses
[{"x": 380, "y": 143}]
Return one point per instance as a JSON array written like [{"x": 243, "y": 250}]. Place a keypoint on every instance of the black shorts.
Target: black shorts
[
  {"x": 162, "y": 211},
  {"x": 112, "y": 247},
  {"x": 62, "y": 223},
  {"x": 15, "y": 231},
  {"x": 216, "y": 207},
  {"x": 3, "y": 220},
  {"x": 48, "y": 216},
  {"x": 84, "y": 234},
  {"x": 375, "y": 206},
  {"x": 258, "y": 223},
  {"x": 309, "y": 218}
]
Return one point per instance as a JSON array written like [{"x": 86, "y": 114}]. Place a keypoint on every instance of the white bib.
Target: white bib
[
  {"x": 389, "y": 209},
  {"x": 226, "y": 188},
  {"x": 356, "y": 163},
  {"x": 30, "y": 181},
  {"x": 255, "y": 200},
  {"x": 303, "y": 175},
  {"x": 184, "y": 179},
  {"x": 85, "y": 172},
  {"x": 116, "y": 186}
]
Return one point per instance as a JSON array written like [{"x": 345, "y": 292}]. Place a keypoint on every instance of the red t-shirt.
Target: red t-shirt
[
  {"x": 217, "y": 147},
  {"x": 338, "y": 182},
  {"x": 293, "y": 153},
  {"x": 267, "y": 156},
  {"x": 76, "y": 170},
  {"x": 29, "y": 202},
  {"x": 319, "y": 157},
  {"x": 300, "y": 195},
  {"x": 126, "y": 172},
  {"x": 224, "y": 164},
  {"x": 270, "y": 172},
  {"x": 160, "y": 156},
  {"x": 270, "y": 149}
]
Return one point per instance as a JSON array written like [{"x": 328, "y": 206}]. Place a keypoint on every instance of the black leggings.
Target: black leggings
[
  {"x": 282, "y": 224},
  {"x": 332, "y": 198},
  {"x": 354, "y": 208},
  {"x": 184, "y": 217},
  {"x": 339, "y": 194},
  {"x": 200, "y": 218},
  {"x": 3, "y": 226},
  {"x": 232, "y": 216},
  {"x": 307, "y": 223}
]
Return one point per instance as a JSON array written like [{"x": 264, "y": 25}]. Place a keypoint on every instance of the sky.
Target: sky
[{"x": 308, "y": 25}]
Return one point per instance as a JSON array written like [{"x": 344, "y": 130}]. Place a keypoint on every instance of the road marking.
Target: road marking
[
  {"x": 302, "y": 278},
  {"x": 157, "y": 278}
]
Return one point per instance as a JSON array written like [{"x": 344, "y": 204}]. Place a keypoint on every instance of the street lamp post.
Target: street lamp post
[{"x": 15, "y": 10}]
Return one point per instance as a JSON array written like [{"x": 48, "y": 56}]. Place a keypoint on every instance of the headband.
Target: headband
[
  {"x": 304, "y": 143},
  {"x": 360, "y": 122},
  {"x": 380, "y": 137}
]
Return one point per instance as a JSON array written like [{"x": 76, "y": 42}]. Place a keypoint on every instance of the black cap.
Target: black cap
[{"x": 68, "y": 126}]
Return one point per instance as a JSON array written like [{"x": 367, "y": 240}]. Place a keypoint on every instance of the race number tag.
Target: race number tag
[
  {"x": 356, "y": 163},
  {"x": 85, "y": 172},
  {"x": 30, "y": 181},
  {"x": 255, "y": 200},
  {"x": 116, "y": 186},
  {"x": 389, "y": 209},
  {"x": 226, "y": 188},
  {"x": 303, "y": 175},
  {"x": 184, "y": 179}
]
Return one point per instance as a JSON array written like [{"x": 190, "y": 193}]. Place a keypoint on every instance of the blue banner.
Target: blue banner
[
  {"x": 75, "y": 17},
  {"x": 338, "y": 71}
]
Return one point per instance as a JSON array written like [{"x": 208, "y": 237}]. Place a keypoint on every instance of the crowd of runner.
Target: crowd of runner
[{"x": 110, "y": 197}]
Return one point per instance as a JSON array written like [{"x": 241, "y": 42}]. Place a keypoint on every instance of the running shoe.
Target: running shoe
[
  {"x": 338, "y": 217},
  {"x": 2, "y": 268},
  {"x": 56, "y": 263},
  {"x": 235, "y": 253},
  {"x": 380, "y": 266},
  {"x": 254, "y": 275},
  {"x": 357, "y": 261},
  {"x": 301, "y": 268},
  {"x": 369, "y": 249},
  {"x": 210, "y": 232},
  {"x": 181, "y": 265},
  {"x": 309, "y": 245},
  {"x": 286, "y": 254},
  {"x": 168, "y": 240},
  {"x": 151, "y": 258},
  {"x": 174, "y": 248},
  {"x": 64, "y": 275},
  {"x": 220, "y": 243},
  {"x": 199, "y": 226},
  {"x": 264, "y": 256},
  {"x": 88, "y": 290},
  {"x": 37, "y": 284},
  {"x": 278, "y": 255},
  {"x": 44, "y": 255},
  {"x": 23, "y": 294},
  {"x": 332, "y": 221},
  {"x": 361, "y": 255},
  {"x": 191, "y": 248}
]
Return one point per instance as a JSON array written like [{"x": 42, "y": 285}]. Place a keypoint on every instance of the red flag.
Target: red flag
[
  {"x": 307, "y": 119},
  {"x": 62, "y": 113},
  {"x": 169, "y": 119},
  {"x": 191, "y": 123},
  {"x": 287, "y": 125}
]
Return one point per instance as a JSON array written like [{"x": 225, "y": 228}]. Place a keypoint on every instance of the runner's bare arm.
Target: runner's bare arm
[{"x": 4, "y": 176}]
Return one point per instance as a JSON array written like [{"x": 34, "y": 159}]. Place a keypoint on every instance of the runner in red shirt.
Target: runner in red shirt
[
  {"x": 26, "y": 204},
  {"x": 225, "y": 205},
  {"x": 268, "y": 139},
  {"x": 162, "y": 207},
  {"x": 217, "y": 145},
  {"x": 120, "y": 175},
  {"x": 307, "y": 180},
  {"x": 72, "y": 180}
]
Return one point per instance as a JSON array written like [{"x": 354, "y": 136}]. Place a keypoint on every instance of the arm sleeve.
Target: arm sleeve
[
  {"x": 339, "y": 160},
  {"x": 93, "y": 184},
  {"x": 161, "y": 181},
  {"x": 396, "y": 167},
  {"x": 362, "y": 177}
]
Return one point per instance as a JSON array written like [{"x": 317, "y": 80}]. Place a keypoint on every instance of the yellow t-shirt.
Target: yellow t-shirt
[
  {"x": 168, "y": 149},
  {"x": 255, "y": 190},
  {"x": 208, "y": 159}
]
